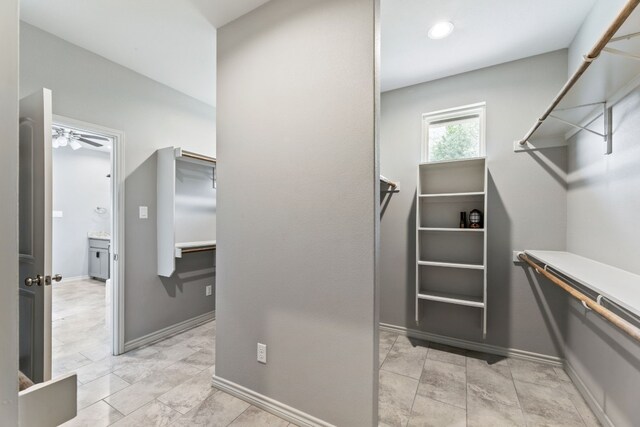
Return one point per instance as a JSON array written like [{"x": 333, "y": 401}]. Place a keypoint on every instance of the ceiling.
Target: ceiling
[
  {"x": 487, "y": 32},
  {"x": 172, "y": 42}
]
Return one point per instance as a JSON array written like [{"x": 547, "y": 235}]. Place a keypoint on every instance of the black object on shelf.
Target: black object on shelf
[
  {"x": 463, "y": 220},
  {"x": 475, "y": 219}
]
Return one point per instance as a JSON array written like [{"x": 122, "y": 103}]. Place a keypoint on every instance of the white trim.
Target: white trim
[
  {"x": 74, "y": 279},
  {"x": 117, "y": 223},
  {"x": 275, "y": 407},
  {"x": 475, "y": 346},
  {"x": 165, "y": 333},
  {"x": 592, "y": 402},
  {"x": 478, "y": 109}
]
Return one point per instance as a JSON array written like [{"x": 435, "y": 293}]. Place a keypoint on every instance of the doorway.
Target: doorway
[{"x": 88, "y": 239}]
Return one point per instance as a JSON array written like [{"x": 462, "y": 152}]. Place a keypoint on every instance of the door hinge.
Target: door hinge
[{"x": 115, "y": 257}]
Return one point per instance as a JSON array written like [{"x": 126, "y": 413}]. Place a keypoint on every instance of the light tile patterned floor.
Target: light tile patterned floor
[
  {"x": 426, "y": 384},
  {"x": 169, "y": 382}
]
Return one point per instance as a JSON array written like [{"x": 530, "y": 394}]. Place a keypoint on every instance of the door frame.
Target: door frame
[{"x": 117, "y": 224}]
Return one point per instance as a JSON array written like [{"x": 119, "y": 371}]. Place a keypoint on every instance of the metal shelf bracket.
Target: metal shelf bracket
[{"x": 606, "y": 135}]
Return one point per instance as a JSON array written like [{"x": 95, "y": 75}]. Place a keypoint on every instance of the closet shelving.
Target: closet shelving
[
  {"x": 609, "y": 71},
  {"x": 186, "y": 205},
  {"x": 609, "y": 286},
  {"x": 451, "y": 261}
]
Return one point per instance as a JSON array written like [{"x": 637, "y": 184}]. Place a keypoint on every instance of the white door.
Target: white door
[
  {"x": 51, "y": 402},
  {"x": 35, "y": 210}
]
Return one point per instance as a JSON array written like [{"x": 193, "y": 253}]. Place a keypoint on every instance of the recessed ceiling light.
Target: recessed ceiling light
[{"x": 440, "y": 30}]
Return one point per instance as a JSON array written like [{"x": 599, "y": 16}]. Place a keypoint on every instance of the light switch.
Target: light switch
[
  {"x": 57, "y": 214},
  {"x": 144, "y": 212}
]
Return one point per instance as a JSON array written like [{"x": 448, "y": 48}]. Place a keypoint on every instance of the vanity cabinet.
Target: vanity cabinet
[{"x": 99, "y": 259}]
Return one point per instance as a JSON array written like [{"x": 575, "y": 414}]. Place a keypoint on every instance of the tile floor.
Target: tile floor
[
  {"x": 421, "y": 384},
  {"x": 426, "y": 384}
]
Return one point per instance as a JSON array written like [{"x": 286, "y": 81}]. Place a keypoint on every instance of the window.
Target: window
[{"x": 457, "y": 133}]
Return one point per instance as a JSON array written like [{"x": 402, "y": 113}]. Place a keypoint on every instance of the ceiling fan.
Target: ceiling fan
[{"x": 62, "y": 137}]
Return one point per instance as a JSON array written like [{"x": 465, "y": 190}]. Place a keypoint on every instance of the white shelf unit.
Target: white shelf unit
[
  {"x": 186, "y": 205},
  {"x": 451, "y": 262}
]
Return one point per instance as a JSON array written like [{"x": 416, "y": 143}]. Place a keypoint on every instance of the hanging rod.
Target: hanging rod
[
  {"x": 390, "y": 183},
  {"x": 591, "y": 56},
  {"x": 202, "y": 157},
  {"x": 618, "y": 321}
]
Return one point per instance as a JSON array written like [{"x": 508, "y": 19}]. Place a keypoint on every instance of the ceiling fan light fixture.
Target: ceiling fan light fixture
[
  {"x": 54, "y": 142},
  {"x": 63, "y": 141},
  {"x": 440, "y": 30},
  {"x": 74, "y": 144}
]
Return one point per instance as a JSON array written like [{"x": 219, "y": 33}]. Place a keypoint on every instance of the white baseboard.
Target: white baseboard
[
  {"x": 270, "y": 405},
  {"x": 75, "y": 279},
  {"x": 169, "y": 331},
  {"x": 472, "y": 345},
  {"x": 588, "y": 396}
]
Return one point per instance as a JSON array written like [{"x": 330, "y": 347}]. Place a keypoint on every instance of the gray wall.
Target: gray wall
[
  {"x": 80, "y": 184},
  {"x": 602, "y": 203},
  {"x": 90, "y": 88},
  {"x": 520, "y": 315},
  {"x": 9, "y": 212},
  {"x": 297, "y": 206}
]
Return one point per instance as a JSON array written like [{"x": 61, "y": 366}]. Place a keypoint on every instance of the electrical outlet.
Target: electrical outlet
[
  {"x": 262, "y": 353},
  {"x": 208, "y": 290}
]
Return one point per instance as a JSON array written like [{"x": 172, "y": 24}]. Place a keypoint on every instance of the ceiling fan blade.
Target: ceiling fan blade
[
  {"x": 99, "y": 138},
  {"x": 86, "y": 141}
]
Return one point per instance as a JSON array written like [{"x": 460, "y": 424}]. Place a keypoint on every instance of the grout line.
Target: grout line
[
  {"x": 387, "y": 353},
  {"x": 232, "y": 421},
  {"x": 416, "y": 393}
]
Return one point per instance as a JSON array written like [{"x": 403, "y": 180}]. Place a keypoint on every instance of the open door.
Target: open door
[{"x": 51, "y": 402}]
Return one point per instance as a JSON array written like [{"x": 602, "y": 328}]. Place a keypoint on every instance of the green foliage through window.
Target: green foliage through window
[{"x": 454, "y": 139}]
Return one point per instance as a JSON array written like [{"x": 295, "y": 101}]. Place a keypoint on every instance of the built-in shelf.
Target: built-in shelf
[
  {"x": 452, "y": 265},
  {"x": 186, "y": 205},
  {"x": 451, "y": 261},
  {"x": 616, "y": 285},
  {"x": 188, "y": 247},
  {"x": 455, "y": 230},
  {"x": 443, "y": 195},
  {"x": 452, "y": 298}
]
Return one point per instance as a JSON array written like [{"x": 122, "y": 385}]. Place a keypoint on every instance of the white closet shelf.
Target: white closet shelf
[
  {"x": 194, "y": 247},
  {"x": 452, "y": 298},
  {"x": 190, "y": 156},
  {"x": 441, "y": 195},
  {"x": 452, "y": 265},
  {"x": 616, "y": 285},
  {"x": 464, "y": 230}
]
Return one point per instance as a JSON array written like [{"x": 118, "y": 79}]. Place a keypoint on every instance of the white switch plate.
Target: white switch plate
[
  {"x": 262, "y": 353},
  {"x": 144, "y": 212},
  {"x": 57, "y": 214},
  {"x": 208, "y": 290}
]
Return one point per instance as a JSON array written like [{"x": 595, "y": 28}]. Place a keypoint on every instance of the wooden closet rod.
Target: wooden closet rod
[
  {"x": 602, "y": 42},
  {"x": 618, "y": 321},
  {"x": 194, "y": 250},
  {"x": 201, "y": 156},
  {"x": 391, "y": 183}
]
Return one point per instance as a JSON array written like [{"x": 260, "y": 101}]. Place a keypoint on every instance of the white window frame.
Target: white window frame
[{"x": 457, "y": 113}]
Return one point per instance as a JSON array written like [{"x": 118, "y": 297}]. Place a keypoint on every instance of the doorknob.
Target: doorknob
[
  {"x": 30, "y": 281},
  {"x": 54, "y": 278}
]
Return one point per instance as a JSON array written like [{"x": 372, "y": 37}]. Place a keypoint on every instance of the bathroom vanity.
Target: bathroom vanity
[{"x": 99, "y": 249}]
